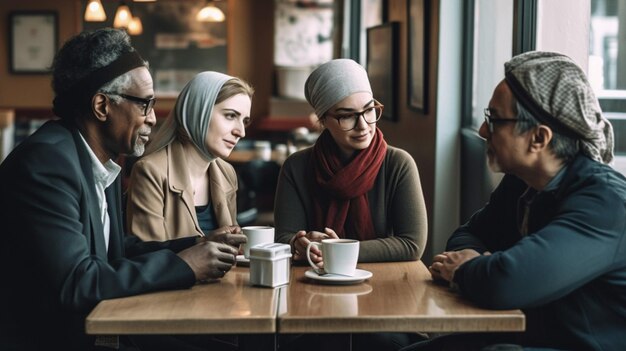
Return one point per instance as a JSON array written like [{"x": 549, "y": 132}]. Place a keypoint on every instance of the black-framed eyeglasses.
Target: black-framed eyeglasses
[
  {"x": 491, "y": 121},
  {"x": 349, "y": 121},
  {"x": 148, "y": 104}
]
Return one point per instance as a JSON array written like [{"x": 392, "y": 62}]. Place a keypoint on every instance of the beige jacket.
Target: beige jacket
[{"x": 160, "y": 197}]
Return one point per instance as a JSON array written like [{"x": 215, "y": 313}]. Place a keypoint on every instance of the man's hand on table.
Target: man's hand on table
[
  {"x": 445, "y": 264},
  {"x": 209, "y": 260}
]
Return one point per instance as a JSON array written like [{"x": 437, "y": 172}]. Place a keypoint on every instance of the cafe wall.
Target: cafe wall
[
  {"x": 249, "y": 47},
  {"x": 250, "y": 56},
  {"x": 31, "y": 90},
  {"x": 415, "y": 131}
]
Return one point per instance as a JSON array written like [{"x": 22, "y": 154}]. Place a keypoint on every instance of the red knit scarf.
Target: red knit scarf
[{"x": 340, "y": 191}]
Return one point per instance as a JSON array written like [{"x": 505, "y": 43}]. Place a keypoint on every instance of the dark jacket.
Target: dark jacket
[
  {"x": 569, "y": 273},
  {"x": 53, "y": 260}
]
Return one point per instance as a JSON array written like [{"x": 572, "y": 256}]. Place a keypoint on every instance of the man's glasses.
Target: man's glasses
[
  {"x": 491, "y": 121},
  {"x": 148, "y": 104},
  {"x": 349, "y": 121}
]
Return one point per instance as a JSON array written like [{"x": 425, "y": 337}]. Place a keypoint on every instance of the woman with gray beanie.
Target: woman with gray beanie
[{"x": 350, "y": 184}]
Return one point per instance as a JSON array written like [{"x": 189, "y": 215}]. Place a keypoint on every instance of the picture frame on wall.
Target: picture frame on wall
[
  {"x": 381, "y": 66},
  {"x": 33, "y": 37},
  {"x": 372, "y": 13},
  {"x": 417, "y": 46}
]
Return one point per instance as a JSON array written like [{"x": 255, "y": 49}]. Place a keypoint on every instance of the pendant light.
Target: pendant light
[
  {"x": 94, "y": 12},
  {"x": 122, "y": 16},
  {"x": 135, "y": 27},
  {"x": 210, "y": 13}
]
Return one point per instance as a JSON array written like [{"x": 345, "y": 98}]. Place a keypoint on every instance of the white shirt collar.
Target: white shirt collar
[{"x": 103, "y": 174}]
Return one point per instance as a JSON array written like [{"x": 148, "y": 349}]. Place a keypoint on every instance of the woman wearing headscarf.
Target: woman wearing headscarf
[
  {"x": 182, "y": 187},
  {"x": 350, "y": 184}
]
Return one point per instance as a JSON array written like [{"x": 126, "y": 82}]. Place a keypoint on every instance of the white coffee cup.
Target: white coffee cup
[
  {"x": 340, "y": 255},
  {"x": 256, "y": 235}
]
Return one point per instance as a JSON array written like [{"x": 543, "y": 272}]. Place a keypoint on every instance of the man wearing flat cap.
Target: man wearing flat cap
[
  {"x": 552, "y": 239},
  {"x": 63, "y": 247}
]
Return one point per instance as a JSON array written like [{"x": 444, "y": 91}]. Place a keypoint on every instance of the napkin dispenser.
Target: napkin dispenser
[{"x": 270, "y": 264}]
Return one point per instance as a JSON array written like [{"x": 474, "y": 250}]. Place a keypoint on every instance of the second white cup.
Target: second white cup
[
  {"x": 256, "y": 235},
  {"x": 340, "y": 255}
]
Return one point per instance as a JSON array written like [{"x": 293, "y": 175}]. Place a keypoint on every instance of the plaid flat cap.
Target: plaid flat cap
[{"x": 556, "y": 91}]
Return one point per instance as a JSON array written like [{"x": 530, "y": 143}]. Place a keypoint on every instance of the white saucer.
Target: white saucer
[
  {"x": 242, "y": 261},
  {"x": 359, "y": 276}
]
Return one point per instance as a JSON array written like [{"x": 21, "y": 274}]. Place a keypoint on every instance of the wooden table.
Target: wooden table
[
  {"x": 230, "y": 305},
  {"x": 400, "y": 297}
]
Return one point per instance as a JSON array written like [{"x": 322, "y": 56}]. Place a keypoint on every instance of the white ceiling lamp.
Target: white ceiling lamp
[
  {"x": 210, "y": 13},
  {"x": 135, "y": 27},
  {"x": 94, "y": 12},
  {"x": 122, "y": 16}
]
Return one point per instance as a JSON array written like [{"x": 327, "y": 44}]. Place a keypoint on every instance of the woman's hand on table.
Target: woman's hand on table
[
  {"x": 229, "y": 235},
  {"x": 301, "y": 240}
]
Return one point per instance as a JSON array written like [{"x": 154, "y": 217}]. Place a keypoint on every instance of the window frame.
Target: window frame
[{"x": 476, "y": 182}]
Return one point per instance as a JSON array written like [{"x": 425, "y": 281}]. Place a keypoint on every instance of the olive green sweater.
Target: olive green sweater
[{"x": 396, "y": 205}]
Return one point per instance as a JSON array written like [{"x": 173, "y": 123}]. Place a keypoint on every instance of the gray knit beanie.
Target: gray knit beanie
[{"x": 334, "y": 81}]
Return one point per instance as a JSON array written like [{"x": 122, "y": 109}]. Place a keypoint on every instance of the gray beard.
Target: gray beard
[{"x": 138, "y": 150}]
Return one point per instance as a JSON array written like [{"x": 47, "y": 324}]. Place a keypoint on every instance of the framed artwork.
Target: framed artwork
[
  {"x": 381, "y": 65},
  {"x": 417, "y": 36},
  {"x": 32, "y": 41}
]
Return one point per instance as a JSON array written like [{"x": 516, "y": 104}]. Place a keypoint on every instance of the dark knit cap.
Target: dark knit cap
[{"x": 556, "y": 92}]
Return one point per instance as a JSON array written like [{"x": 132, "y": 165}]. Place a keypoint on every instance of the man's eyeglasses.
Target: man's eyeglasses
[
  {"x": 148, "y": 104},
  {"x": 491, "y": 121},
  {"x": 349, "y": 121}
]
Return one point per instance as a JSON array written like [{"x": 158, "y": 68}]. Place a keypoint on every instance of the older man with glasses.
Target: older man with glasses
[
  {"x": 64, "y": 248},
  {"x": 551, "y": 241}
]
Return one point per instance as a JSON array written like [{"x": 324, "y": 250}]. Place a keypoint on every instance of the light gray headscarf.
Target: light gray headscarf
[
  {"x": 192, "y": 111},
  {"x": 556, "y": 92},
  {"x": 334, "y": 81}
]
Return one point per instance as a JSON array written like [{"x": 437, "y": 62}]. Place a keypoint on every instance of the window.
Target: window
[
  {"x": 493, "y": 46},
  {"x": 495, "y": 30},
  {"x": 607, "y": 66}
]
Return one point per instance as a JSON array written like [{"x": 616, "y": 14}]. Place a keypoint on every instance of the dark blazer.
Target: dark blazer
[{"x": 53, "y": 262}]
